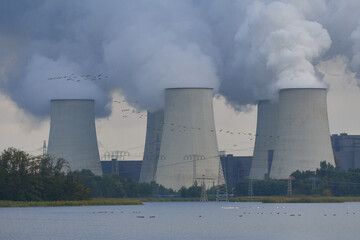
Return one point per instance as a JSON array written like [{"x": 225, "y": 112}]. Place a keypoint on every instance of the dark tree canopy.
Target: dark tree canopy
[{"x": 28, "y": 178}]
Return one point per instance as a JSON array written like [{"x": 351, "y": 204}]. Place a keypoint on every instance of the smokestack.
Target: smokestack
[
  {"x": 73, "y": 134},
  {"x": 303, "y": 130},
  {"x": 189, "y": 149},
  {"x": 155, "y": 121},
  {"x": 266, "y": 136}
]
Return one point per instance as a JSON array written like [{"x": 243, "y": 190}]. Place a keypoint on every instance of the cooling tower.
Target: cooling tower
[
  {"x": 303, "y": 130},
  {"x": 189, "y": 149},
  {"x": 154, "y": 128},
  {"x": 266, "y": 136},
  {"x": 73, "y": 134}
]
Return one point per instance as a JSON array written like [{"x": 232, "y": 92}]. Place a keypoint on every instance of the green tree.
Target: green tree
[{"x": 28, "y": 178}]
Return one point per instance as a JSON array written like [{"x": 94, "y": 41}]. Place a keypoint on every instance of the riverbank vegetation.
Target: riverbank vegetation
[
  {"x": 92, "y": 202},
  {"x": 326, "y": 181},
  {"x": 30, "y": 179}
]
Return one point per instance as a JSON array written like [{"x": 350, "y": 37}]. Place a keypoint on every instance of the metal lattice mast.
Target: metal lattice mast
[
  {"x": 44, "y": 149},
  {"x": 203, "y": 196},
  {"x": 313, "y": 182},
  {"x": 289, "y": 190},
  {"x": 221, "y": 193},
  {"x": 250, "y": 188}
]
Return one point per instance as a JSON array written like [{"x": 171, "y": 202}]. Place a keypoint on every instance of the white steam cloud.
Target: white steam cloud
[{"x": 246, "y": 50}]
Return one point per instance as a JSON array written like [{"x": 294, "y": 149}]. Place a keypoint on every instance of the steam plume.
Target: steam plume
[{"x": 245, "y": 50}]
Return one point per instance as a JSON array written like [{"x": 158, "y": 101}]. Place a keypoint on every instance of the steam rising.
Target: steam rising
[{"x": 245, "y": 50}]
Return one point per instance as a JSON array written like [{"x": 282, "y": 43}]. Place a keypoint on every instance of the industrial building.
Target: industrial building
[
  {"x": 235, "y": 168},
  {"x": 346, "y": 150},
  {"x": 189, "y": 149},
  {"x": 303, "y": 132},
  {"x": 155, "y": 121},
  {"x": 127, "y": 169},
  {"x": 266, "y": 137},
  {"x": 73, "y": 134}
]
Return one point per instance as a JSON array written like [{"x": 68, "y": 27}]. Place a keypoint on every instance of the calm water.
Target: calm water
[{"x": 184, "y": 221}]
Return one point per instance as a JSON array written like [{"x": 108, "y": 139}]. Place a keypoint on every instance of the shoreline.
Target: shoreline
[
  {"x": 295, "y": 199},
  {"x": 140, "y": 201},
  {"x": 92, "y": 202}
]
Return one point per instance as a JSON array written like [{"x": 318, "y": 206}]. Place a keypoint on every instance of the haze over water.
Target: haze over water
[{"x": 184, "y": 220}]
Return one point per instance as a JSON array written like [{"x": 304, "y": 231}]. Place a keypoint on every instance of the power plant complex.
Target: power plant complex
[
  {"x": 303, "y": 130},
  {"x": 292, "y": 134},
  {"x": 189, "y": 150},
  {"x": 181, "y": 145},
  {"x": 154, "y": 129},
  {"x": 73, "y": 134},
  {"x": 265, "y": 141}
]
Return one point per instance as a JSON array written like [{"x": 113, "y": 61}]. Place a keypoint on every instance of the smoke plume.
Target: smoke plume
[{"x": 245, "y": 50}]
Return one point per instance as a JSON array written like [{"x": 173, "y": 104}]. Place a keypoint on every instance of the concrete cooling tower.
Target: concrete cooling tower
[
  {"x": 266, "y": 137},
  {"x": 155, "y": 121},
  {"x": 189, "y": 149},
  {"x": 73, "y": 134},
  {"x": 303, "y": 130}
]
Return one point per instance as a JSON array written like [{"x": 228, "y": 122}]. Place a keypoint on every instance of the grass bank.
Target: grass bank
[
  {"x": 264, "y": 199},
  {"x": 296, "y": 199},
  {"x": 121, "y": 201},
  {"x": 92, "y": 202}
]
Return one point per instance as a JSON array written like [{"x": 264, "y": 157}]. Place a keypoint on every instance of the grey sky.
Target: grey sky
[
  {"x": 128, "y": 134},
  {"x": 245, "y": 50}
]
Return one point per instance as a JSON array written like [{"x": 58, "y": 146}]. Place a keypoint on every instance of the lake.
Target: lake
[{"x": 184, "y": 220}]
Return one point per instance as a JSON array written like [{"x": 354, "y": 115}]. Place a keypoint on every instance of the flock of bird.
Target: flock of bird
[
  {"x": 74, "y": 78},
  {"x": 127, "y": 112}
]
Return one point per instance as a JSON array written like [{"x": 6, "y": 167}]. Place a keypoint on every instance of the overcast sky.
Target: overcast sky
[
  {"x": 245, "y": 50},
  {"x": 23, "y": 131}
]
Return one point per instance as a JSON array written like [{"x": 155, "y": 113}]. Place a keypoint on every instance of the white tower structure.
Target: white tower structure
[
  {"x": 266, "y": 137},
  {"x": 73, "y": 134},
  {"x": 189, "y": 147},
  {"x": 303, "y": 130},
  {"x": 155, "y": 121}
]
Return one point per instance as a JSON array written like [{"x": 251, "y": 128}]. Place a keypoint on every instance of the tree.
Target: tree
[{"x": 34, "y": 178}]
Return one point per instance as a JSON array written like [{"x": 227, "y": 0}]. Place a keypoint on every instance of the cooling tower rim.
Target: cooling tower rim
[
  {"x": 179, "y": 88},
  {"x": 288, "y": 89},
  {"x": 72, "y": 99}
]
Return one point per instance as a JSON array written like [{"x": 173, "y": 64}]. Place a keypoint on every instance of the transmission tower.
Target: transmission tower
[
  {"x": 289, "y": 190},
  {"x": 313, "y": 182},
  {"x": 203, "y": 196},
  {"x": 221, "y": 192},
  {"x": 194, "y": 158},
  {"x": 250, "y": 188},
  {"x": 44, "y": 149}
]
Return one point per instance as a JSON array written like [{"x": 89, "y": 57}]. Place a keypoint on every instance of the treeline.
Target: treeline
[
  {"x": 115, "y": 186},
  {"x": 325, "y": 181},
  {"x": 28, "y": 178},
  {"x": 37, "y": 178}
]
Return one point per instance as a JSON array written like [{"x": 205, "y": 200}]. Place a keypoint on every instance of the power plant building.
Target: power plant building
[
  {"x": 189, "y": 149},
  {"x": 73, "y": 134},
  {"x": 126, "y": 169},
  {"x": 155, "y": 121},
  {"x": 303, "y": 132},
  {"x": 235, "y": 168},
  {"x": 266, "y": 137},
  {"x": 346, "y": 150}
]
